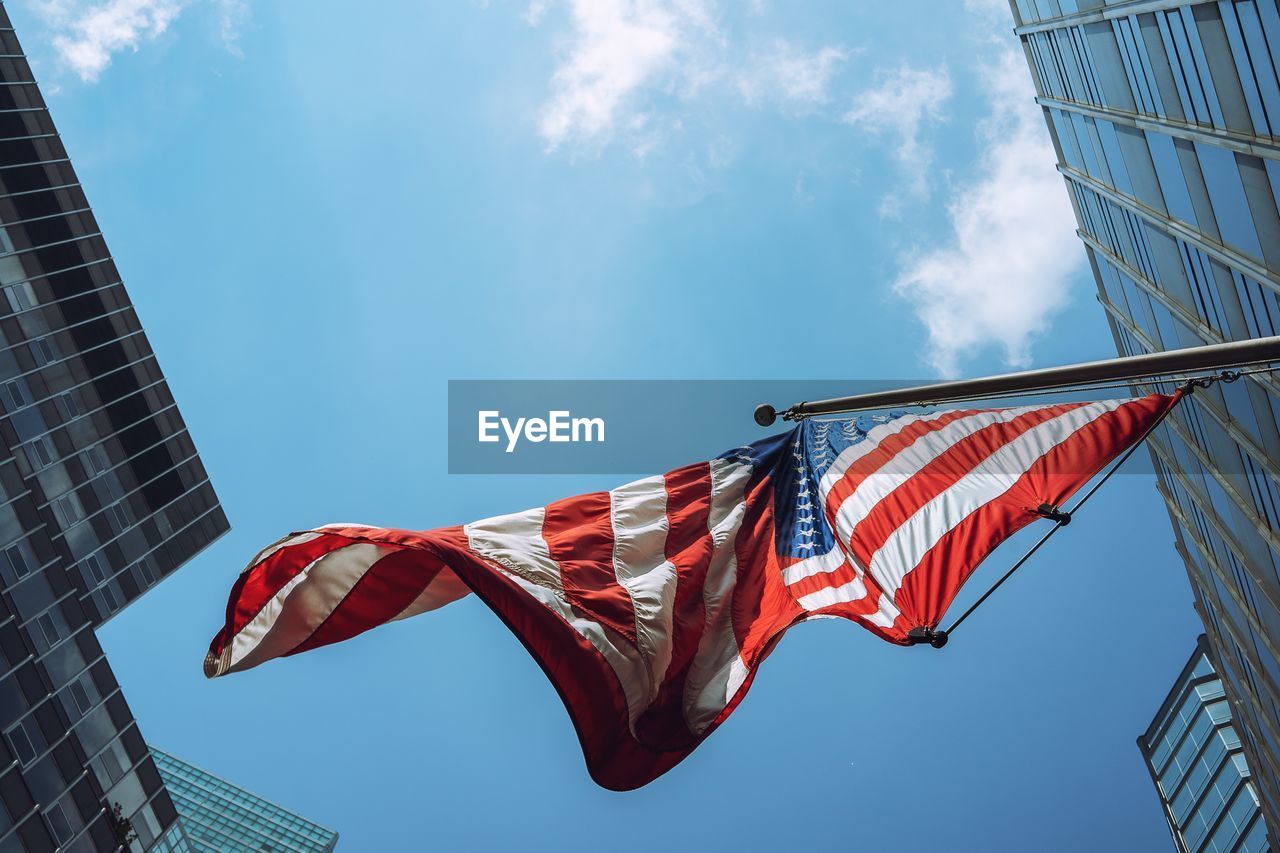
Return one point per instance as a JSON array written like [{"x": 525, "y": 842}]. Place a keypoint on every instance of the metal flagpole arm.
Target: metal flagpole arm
[{"x": 1233, "y": 354}]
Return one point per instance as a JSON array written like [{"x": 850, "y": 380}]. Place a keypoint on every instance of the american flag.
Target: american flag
[{"x": 651, "y": 607}]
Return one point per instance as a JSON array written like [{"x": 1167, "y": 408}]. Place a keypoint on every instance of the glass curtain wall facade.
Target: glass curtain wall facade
[
  {"x": 101, "y": 496},
  {"x": 220, "y": 816},
  {"x": 1166, "y": 117},
  {"x": 1199, "y": 768}
]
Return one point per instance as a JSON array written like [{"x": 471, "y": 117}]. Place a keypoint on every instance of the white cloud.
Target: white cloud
[
  {"x": 86, "y": 34},
  {"x": 91, "y": 32},
  {"x": 535, "y": 12},
  {"x": 786, "y": 73},
  {"x": 622, "y": 56},
  {"x": 1008, "y": 264},
  {"x": 617, "y": 47},
  {"x": 232, "y": 15},
  {"x": 902, "y": 105}
]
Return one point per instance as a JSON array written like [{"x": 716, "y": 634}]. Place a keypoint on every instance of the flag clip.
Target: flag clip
[
  {"x": 1054, "y": 513},
  {"x": 920, "y": 636}
]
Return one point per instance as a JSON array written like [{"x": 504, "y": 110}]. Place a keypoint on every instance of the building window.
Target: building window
[
  {"x": 96, "y": 573},
  {"x": 1261, "y": 309},
  {"x": 14, "y": 394},
  {"x": 17, "y": 561},
  {"x": 148, "y": 571},
  {"x": 1254, "y": 65},
  {"x": 49, "y": 628},
  {"x": 111, "y": 763},
  {"x": 1226, "y": 194},
  {"x": 19, "y": 295},
  {"x": 109, "y": 601},
  {"x": 80, "y": 697},
  {"x": 20, "y": 743},
  {"x": 96, "y": 459},
  {"x": 58, "y": 823},
  {"x": 44, "y": 351},
  {"x": 121, "y": 516},
  {"x": 67, "y": 510},
  {"x": 67, "y": 406},
  {"x": 42, "y": 452}
]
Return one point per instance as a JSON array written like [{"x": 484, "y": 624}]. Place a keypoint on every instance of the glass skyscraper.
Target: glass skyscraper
[
  {"x": 101, "y": 496},
  {"x": 219, "y": 816},
  {"x": 1166, "y": 120},
  {"x": 1198, "y": 767}
]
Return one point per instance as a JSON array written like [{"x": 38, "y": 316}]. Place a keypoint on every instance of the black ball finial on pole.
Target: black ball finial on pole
[{"x": 766, "y": 415}]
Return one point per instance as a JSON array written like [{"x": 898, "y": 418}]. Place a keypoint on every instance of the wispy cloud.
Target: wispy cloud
[
  {"x": 637, "y": 73},
  {"x": 786, "y": 73},
  {"x": 536, "y": 10},
  {"x": 996, "y": 11},
  {"x": 902, "y": 105},
  {"x": 87, "y": 34},
  {"x": 620, "y": 58},
  {"x": 1006, "y": 267},
  {"x": 232, "y": 15},
  {"x": 617, "y": 48}
]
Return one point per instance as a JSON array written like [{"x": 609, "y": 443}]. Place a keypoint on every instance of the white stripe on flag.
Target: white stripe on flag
[
  {"x": 302, "y": 605},
  {"x": 854, "y": 452},
  {"x": 907, "y": 545},
  {"x": 815, "y": 565},
  {"x": 640, "y": 527},
  {"x": 444, "y": 588},
  {"x": 854, "y": 590},
  {"x": 284, "y": 542},
  {"x": 515, "y": 545},
  {"x": 829, "y": 595},
  {"x": 910, "y": 461},
  {"x": 713, "y": 678}
]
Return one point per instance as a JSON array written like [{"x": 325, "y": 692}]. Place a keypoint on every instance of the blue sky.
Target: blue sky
[{"x": 325, "y": 211}]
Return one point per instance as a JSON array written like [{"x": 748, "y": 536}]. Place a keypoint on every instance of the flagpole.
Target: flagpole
[{"x": 1230, "y": 355}]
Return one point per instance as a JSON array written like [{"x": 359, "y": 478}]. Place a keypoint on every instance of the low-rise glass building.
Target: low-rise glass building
[
  {"x": 1199, "y": 769},
  {"x": 219, "y": 816}
]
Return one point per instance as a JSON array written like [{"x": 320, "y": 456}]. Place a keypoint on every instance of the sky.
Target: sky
[{"x": 323, "y": 212}]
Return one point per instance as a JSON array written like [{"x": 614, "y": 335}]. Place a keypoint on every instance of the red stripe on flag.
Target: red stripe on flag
[
  {"x": 928, "y": 590},
  {"x": 579, "y": 536},
  {"x": 587, "y": 684},
  {"x": 890, "y": 447},
  {"x": 762, "y": 604},
  {"x": 259, "y": 584},
  {"x": 688, "y": 548},
  {"x": 951, "y": 466},
  {"x": 382, "y": 592},
  {"x": 813, "y": 583},
  {"x": 861, "y": 608}
]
